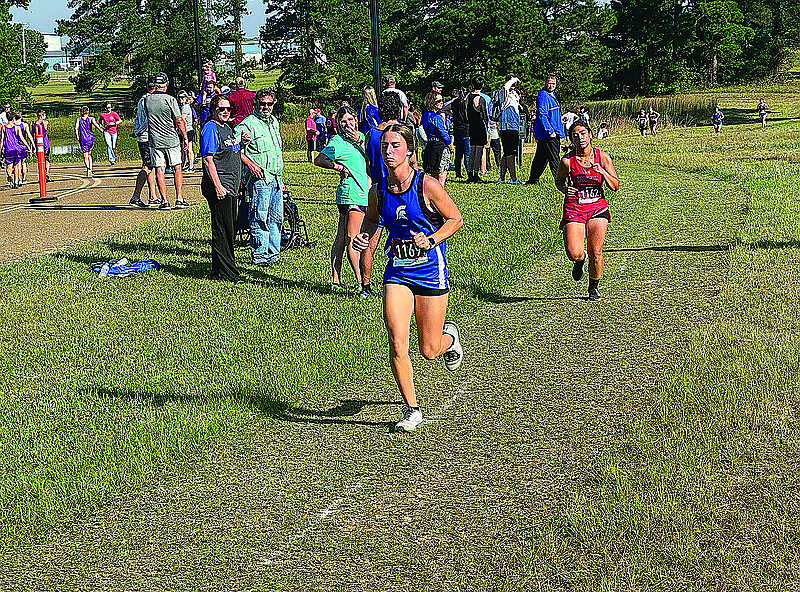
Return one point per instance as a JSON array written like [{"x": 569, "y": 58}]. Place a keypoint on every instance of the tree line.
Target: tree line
[{"x": 598, "y": 50}]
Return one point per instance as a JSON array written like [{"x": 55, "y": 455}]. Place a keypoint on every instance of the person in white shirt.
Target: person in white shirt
[
  {"x": 389, "y": 83},
  {"x": 4, "y": 115}
]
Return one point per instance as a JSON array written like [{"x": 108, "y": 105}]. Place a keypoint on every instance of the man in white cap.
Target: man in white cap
[{"x": 163, "y": 117}]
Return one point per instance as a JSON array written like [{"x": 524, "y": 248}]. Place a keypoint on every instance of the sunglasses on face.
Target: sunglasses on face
[
  {"x": 267, "y": 104},
  {"x": 223, "y": 108}
]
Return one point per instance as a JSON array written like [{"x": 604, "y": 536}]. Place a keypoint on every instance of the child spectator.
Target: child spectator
[{"x": 209, "y": 80}]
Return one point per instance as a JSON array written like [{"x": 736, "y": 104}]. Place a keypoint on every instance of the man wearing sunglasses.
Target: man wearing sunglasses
[{"x": 262, "y": 174}]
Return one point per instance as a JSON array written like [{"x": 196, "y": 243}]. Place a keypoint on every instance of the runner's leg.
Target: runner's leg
[
  {"x": 430, "y": 312},
  {"x": 596, "y": 235},
  {"x": 354, "y": 220},
  {"x": 574, "y": 233},
  {"x": 398, "y": 305}
]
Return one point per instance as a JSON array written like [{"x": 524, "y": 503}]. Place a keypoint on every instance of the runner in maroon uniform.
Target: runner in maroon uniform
[{"x": 580, "y": 177}]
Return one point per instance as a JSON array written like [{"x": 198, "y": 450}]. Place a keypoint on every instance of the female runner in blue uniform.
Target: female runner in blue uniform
[{"x": 419, "y": 216}]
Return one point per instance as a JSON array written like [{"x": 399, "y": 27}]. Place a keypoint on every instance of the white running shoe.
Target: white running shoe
[
  {"x": 454, "y": 353},
  {"x": 410, "y": 420}
]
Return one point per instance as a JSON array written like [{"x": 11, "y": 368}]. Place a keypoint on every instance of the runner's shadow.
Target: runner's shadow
[{"x": 267, "y": 406}]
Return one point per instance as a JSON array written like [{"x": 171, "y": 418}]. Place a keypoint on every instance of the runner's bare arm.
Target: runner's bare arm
[
  {"x": 370, "y": 223},
  {"x": 606, "y": 168},
  {"x": 441, "y": 201},
  {"x": 561, "y": 176}
]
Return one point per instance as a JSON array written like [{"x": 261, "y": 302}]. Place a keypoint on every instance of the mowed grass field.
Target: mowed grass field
[{"x": 168, "y": 432}]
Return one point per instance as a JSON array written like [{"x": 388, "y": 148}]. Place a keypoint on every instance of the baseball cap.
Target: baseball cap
[
  {"x": 160, "y": 79},
  {"x": 436, "y": 84}
]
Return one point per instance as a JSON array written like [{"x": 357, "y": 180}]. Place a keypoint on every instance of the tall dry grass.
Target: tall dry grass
[{"x": 676, "y": 110}]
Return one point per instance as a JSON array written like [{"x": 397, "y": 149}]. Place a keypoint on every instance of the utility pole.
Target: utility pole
[
  {"x": 376, "y": 46},
  {"x": 197, "y": 45}
]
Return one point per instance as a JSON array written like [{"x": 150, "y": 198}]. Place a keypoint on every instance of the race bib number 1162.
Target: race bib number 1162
[{"x": 406, "y": 253}]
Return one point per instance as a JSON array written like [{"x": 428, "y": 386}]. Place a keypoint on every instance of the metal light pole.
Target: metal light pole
[
  {"x": 375, "y": 46},
  {"x": 24, "y": 58},
  {"x": 197, "y": 45}
]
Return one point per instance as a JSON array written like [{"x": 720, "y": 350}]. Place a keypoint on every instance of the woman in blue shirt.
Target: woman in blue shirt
[
  {"x": 439, "y": 145},
  {"x": 222, "y": 170},
  {"x": 419, "y": 216}
]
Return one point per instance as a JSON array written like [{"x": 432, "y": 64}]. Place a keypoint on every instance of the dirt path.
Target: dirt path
[
  {"x": 550, "y": 387},
  {"x": 85, "y": 209}
]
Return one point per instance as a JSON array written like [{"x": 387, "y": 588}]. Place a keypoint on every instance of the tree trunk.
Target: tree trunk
[
  {"x": 714, "y": 69},
  {"x": 237, "y": 42}
]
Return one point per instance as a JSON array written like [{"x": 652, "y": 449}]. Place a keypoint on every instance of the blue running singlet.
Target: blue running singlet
[{"x": 408, "y": 264}]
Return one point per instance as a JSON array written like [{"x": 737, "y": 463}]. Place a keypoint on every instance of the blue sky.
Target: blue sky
[{"x": 42, "y": 15}]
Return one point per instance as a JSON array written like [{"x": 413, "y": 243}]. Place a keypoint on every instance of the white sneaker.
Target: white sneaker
[
  {"x": 454, "y": 353},
  {"x": 411, "y": 419}
]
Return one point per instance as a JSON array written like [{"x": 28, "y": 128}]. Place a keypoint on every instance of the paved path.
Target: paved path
[{"x": 85, "y": 209}]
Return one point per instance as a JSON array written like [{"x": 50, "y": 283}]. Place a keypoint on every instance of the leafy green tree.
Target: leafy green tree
[
  {"x": 138, "y": 37},
  {"x": 649, "y": 47},
  {"x": 719, "y": 34},
  {"x": 16, "y": 77},
  {"x": 574, "y": 47}
]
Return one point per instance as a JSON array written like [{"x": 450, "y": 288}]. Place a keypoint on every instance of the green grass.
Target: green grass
[
  {"x": 648, "y": 443},
  {"x": 180, "y": 352}
]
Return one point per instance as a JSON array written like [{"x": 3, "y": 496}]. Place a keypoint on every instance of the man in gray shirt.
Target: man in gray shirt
[{"x": 163, "y": 122}]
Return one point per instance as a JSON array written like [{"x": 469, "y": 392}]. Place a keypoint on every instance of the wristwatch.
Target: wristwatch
[{"x": 431, "y": 242}]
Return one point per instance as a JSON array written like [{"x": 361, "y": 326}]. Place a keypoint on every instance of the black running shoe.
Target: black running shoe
[
  {"x": 577, "y": 269},
  {"x": 594, "y": 294}
]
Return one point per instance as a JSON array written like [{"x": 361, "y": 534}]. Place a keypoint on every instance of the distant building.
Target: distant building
[
  {"x": 253, "y": 49},
  {"x": 58, "y": 58}
]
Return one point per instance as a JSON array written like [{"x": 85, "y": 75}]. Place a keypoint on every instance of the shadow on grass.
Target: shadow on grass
[
  {"x": 189, "y": 257},
  {"x": 494, "y": 298},
  {"x": 676, "y": 248},
  {"x": 85, "y": 207},
  {"x": 189, "y": 265},
  {"x": 274, "y": 408},
  {"x": 765, "y": 244},
  {"x": 267, "y": 279}
]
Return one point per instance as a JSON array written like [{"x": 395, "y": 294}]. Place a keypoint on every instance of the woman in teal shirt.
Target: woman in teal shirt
[{"x": 345, "y": 154}]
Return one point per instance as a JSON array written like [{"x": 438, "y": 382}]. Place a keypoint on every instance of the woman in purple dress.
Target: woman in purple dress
[
  {"x": 14, "y": 149},
  {"x": 83, "y": 131},
  {"x": 24, "y": 132},
  {"x": 40, "y": 125}
]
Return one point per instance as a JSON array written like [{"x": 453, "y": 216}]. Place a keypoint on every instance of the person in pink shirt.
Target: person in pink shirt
[
  {"x": 242, "y": 101},
  {"x": 110, "y": 119},
  {"x": 209, "y": 81},
  {"x": 311, "y": 134}
]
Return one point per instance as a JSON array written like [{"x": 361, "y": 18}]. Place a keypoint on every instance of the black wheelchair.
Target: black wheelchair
[{"x": 294, "y": 233}]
